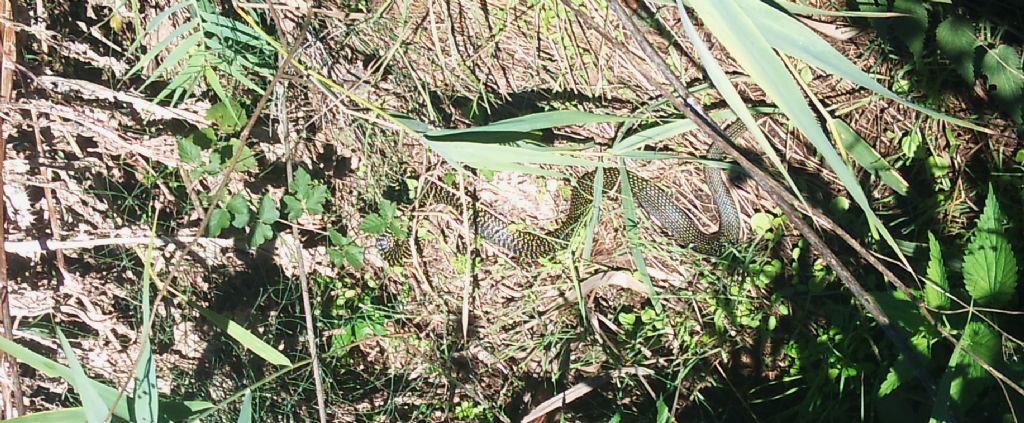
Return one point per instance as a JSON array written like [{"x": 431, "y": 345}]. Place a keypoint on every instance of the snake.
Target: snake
[{"x": 655, "y": 201}]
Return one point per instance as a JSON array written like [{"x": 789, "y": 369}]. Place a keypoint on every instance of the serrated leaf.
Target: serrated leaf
[
  {"x": 315, "y": 199},
  {"x": 239, "y": 208},
  {"x": 909, "y": 29},
  {"x": 336, "y": 237},
  {"x": 300, "y": 183},
  {"x": 261, "y": 232},
  {"x": 219, "y": 219},
  {"x": 956, "y": 40},
  {"x": 388, "y": 209},
  {"x": 267, "y": 213},
  {"x": 965, "y": 378},
  {"x": 868, "y": 158},
  {"x": 188, "y": 151},
  {"x": 246, "y": 160},
  {"x": 1002, "y": 67},
  {"x": 990, "y": 269},
  {"x": 373, "y": 225},
  {"x": 95, "y": 410},
  {"x": 938, "y": 285},
  {"x": 293, "y": 206}
]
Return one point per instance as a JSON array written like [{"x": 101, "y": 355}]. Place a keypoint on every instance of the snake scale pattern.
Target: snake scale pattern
[{"x": 655, "y": 201}]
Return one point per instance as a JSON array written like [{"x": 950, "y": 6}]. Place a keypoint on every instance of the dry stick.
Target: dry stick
[
  {"x": 8, "y": 57},
  {"x": 772, "y": 188},
  {"x": 307, "y": 309},
  {"x": 48, "y": 194},
  {"x": 175, "y": 266}
]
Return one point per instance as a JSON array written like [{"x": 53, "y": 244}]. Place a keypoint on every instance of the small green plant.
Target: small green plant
[
  {"x": 306, "y": 196},
  {"x": 990, "y": 275},
  {"x": 206, "y": 47},
  {"x": 343, "y": 250},
  {"x": 385, "y": 222}
]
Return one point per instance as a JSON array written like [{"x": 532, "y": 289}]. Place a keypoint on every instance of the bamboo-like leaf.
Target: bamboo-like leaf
[
  {"x": 63, "y": 415},
  {"x": 244, "y": 337},
  {"x": 95, "y": 410},
  {"x": 733, "y": 99},
  {"x": 731, "y": 22},
  {"x": 170, "y": 410},
  {"x": 868, "y": 158},
  {"x": 795, "y": 39},
  {"x": 505, "y": 158},
  {"x": 159, "y": 47},
  {"x": 177, "y": 54},
  {"x": 231, "y": 29},
  {"x": 633, "y": 235},
  {"x": 245, "y": 414},
  {"x": 147, "y": 399},
  {"x": 800, "y": 9},
  {"x": 156, "y": 21},
  {"x": 533, "y": 122},
  {"x": 670, "y": 129},
  {"x": 938, "y": 285}
]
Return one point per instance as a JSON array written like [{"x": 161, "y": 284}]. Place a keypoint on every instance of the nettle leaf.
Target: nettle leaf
[
  {"x": 1002, "y": 67},
  {"x": 965, "y": 378},
  {"x": 219, "y": 219},
  {"x": 388, "y": 209},
  {"x": 956, "y": 40},
  {"x": 934, "y": 292},
  {"x": 990, "y": 269},
  {"x": 239, "y": 208}
]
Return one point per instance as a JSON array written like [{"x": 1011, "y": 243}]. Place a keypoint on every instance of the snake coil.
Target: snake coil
[{"x": 655, "y": 201}]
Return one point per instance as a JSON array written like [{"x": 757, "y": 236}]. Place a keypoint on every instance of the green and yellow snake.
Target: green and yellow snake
[{"x": 655, "y": 201}]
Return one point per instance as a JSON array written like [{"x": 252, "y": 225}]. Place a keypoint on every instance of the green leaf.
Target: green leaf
[
  {"x": 239, "y": 208},
  {"x": 909, "y": 29},
  {"x": 245, "y": 414},
  {"x": 315, "y": 199},
  {"x": 95, "y": 408},
  {"x": 229, "y": 115},
  {"x": 505, "y": 158},
  {"x": 261, "y": 232},
  {"x": 145, "y": 394},
  {"x": 246, "y": 160},
  {"x": 868, "y": 158},
  {"x": 159, "y": 47},
  {"x": 796, "y": 39},
  {"x": 761, "y": 223},
  {"x": 938, "y": 285},
  {"x": 964, "y": 378},
  {"x": 956, "y": 40},
  {"x": 532, "y": 122},
  {"x": 373, "y": 225},
  {"x": 63, "y": 415},
  {"x": 300, "y": 183},
  {"x": 732, "y": 21},
  {"x": 219, "y": 219},
  {"x": 990, "y": 269},
  {"x": 267, "y": 212},
  {"x": 293, "y": 206},
  {"x": 388, "y": 209},
  {"x": 1002, "y": 67},
  {"x": 244, "y": 337},
  {"x": 169, "y": 410},
  {"x": 188, "y": 151}
]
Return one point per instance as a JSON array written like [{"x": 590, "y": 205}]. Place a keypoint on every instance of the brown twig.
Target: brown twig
[{"x": 8, "y": 57}]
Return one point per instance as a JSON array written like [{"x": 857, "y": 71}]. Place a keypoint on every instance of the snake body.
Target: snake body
[{"x": 655, "y": 201}]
